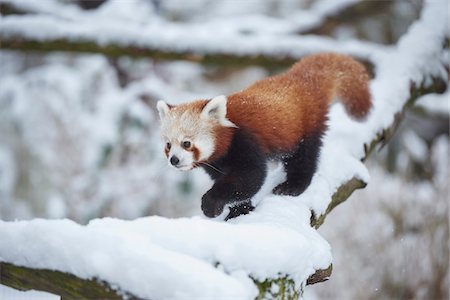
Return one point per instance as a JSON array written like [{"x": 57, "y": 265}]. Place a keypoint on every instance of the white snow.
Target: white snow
[
  {"x": 329, "y": 7},
  {"x": 7, "y": 293},
  {"x": 8, "y": 172},
  {"x": 230, "y": 16},
  {"x": 416, "y": 148},
  {"x": 175, "y": 257},
  {"x": 395, "y": 70},
  {"x": 161, "y": 258},
  {"x": 438, "y": 104},
  {"x": 410, "y": 219},
  {"x": 216, "y": 36}
]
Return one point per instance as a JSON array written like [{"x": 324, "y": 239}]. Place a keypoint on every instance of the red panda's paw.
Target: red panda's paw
[
  {"x": 212, "y": 207},
  {"x": 287, "y": 189}
]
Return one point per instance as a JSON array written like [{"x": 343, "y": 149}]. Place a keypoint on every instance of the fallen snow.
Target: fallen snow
[
  {"x": 230, "y": 16},
  {"x": 159, "y": 258},
  {"x": 112, "y": 25},
  {"x": 416, "y": 147},
  {"x": 438, "y": 104},
  {"x": 7, "y": 293}
]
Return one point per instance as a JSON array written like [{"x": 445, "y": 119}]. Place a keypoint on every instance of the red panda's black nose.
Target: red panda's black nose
[{"x": 174, "y": 160}]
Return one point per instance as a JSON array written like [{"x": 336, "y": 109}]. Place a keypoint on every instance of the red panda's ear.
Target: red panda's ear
[
  {"x": 216, "y": 109},
  {"x": 163, "y": 108}
]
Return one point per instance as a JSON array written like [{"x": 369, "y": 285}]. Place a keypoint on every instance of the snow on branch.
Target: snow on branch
[
  {"x": 208, "y": 43},
  {"x": 347, "y": 13},
  {"x": 271, "y": 252},
  {"x": 401, "y": 76},
  {"x": 435, "y": 104},
  {"x": 158, "y": 258},
  {"x": 63, "y": 284}
]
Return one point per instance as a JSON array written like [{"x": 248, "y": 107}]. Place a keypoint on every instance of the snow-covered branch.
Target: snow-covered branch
[
  {"x": 401, "y": 77},
  {"x": 208, "y": 43},
  {"x": 350, "y": 12},
  {"x": 192, "y": 44},
  {"x": 436, "y": 85},
  {"x": 158, "y": 258},
  {"x": 63, "y": 284}
]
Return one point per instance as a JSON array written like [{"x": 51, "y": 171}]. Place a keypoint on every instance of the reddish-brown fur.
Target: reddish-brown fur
[
  {"x": 282, "y": 109},
  {"x": 223, "y": 135},
  {"x": 196, "y": 153},
  {"x": 282, "y": 117}
]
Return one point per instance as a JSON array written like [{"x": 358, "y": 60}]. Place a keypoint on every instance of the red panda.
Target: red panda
[{"x": 282, "y": 117}]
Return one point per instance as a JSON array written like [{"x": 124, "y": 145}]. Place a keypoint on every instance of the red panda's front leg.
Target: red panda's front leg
[
  {"x": 233, "y": 188},
  {"x": 242, "y": 173}
]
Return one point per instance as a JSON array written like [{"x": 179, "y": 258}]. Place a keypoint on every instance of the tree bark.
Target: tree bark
[
  {"x": 70, "y": 287},
  {"x": 113, "y": 50},
  {"x": 66, "y": 285}
]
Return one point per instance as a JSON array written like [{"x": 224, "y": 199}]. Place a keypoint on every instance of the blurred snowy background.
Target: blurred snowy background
[{"x": 79, "y": 133}]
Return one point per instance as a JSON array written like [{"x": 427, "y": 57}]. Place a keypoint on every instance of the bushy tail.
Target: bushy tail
[
  {"x": 352, "y": 87},
  {"x": 345, "y": 78}
]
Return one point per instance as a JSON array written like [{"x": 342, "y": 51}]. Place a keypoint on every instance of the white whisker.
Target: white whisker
[{"x": 211, "y": 166}]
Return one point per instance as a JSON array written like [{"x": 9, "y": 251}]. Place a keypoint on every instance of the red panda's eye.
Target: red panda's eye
[
  {"x": 186, "y": 144},
  {"x": 168, "y": 145}
]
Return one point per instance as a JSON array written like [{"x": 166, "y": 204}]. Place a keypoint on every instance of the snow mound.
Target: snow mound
[{"x": 187, "y": 258}]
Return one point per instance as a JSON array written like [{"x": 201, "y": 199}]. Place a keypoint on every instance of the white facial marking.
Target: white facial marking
[
  {"x": 186, "y": 123},
  {"x": 205, "y": 144},
  {"x": 186, "y": 158},
  {"x": 182, "y": 123}
]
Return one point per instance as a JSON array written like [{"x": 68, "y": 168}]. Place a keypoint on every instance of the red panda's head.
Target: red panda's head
[{"x": 191, "y": 131}]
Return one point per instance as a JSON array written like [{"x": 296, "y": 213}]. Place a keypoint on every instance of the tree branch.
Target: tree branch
[
  {"x": 184, "y": 44},
  {"x": 69, "y": 286},
  {"x": 348, "y": 14},
  {"x": 114, "y": 50},
  {"x": 66, "y": 285},
  {"x": 437, "y": 85}
]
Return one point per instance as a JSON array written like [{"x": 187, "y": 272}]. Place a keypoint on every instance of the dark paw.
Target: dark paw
[
  {"x": 286, "y": 189},
  {"x": 211, "y": 207},
  {"x": 240, "y": 209}
]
